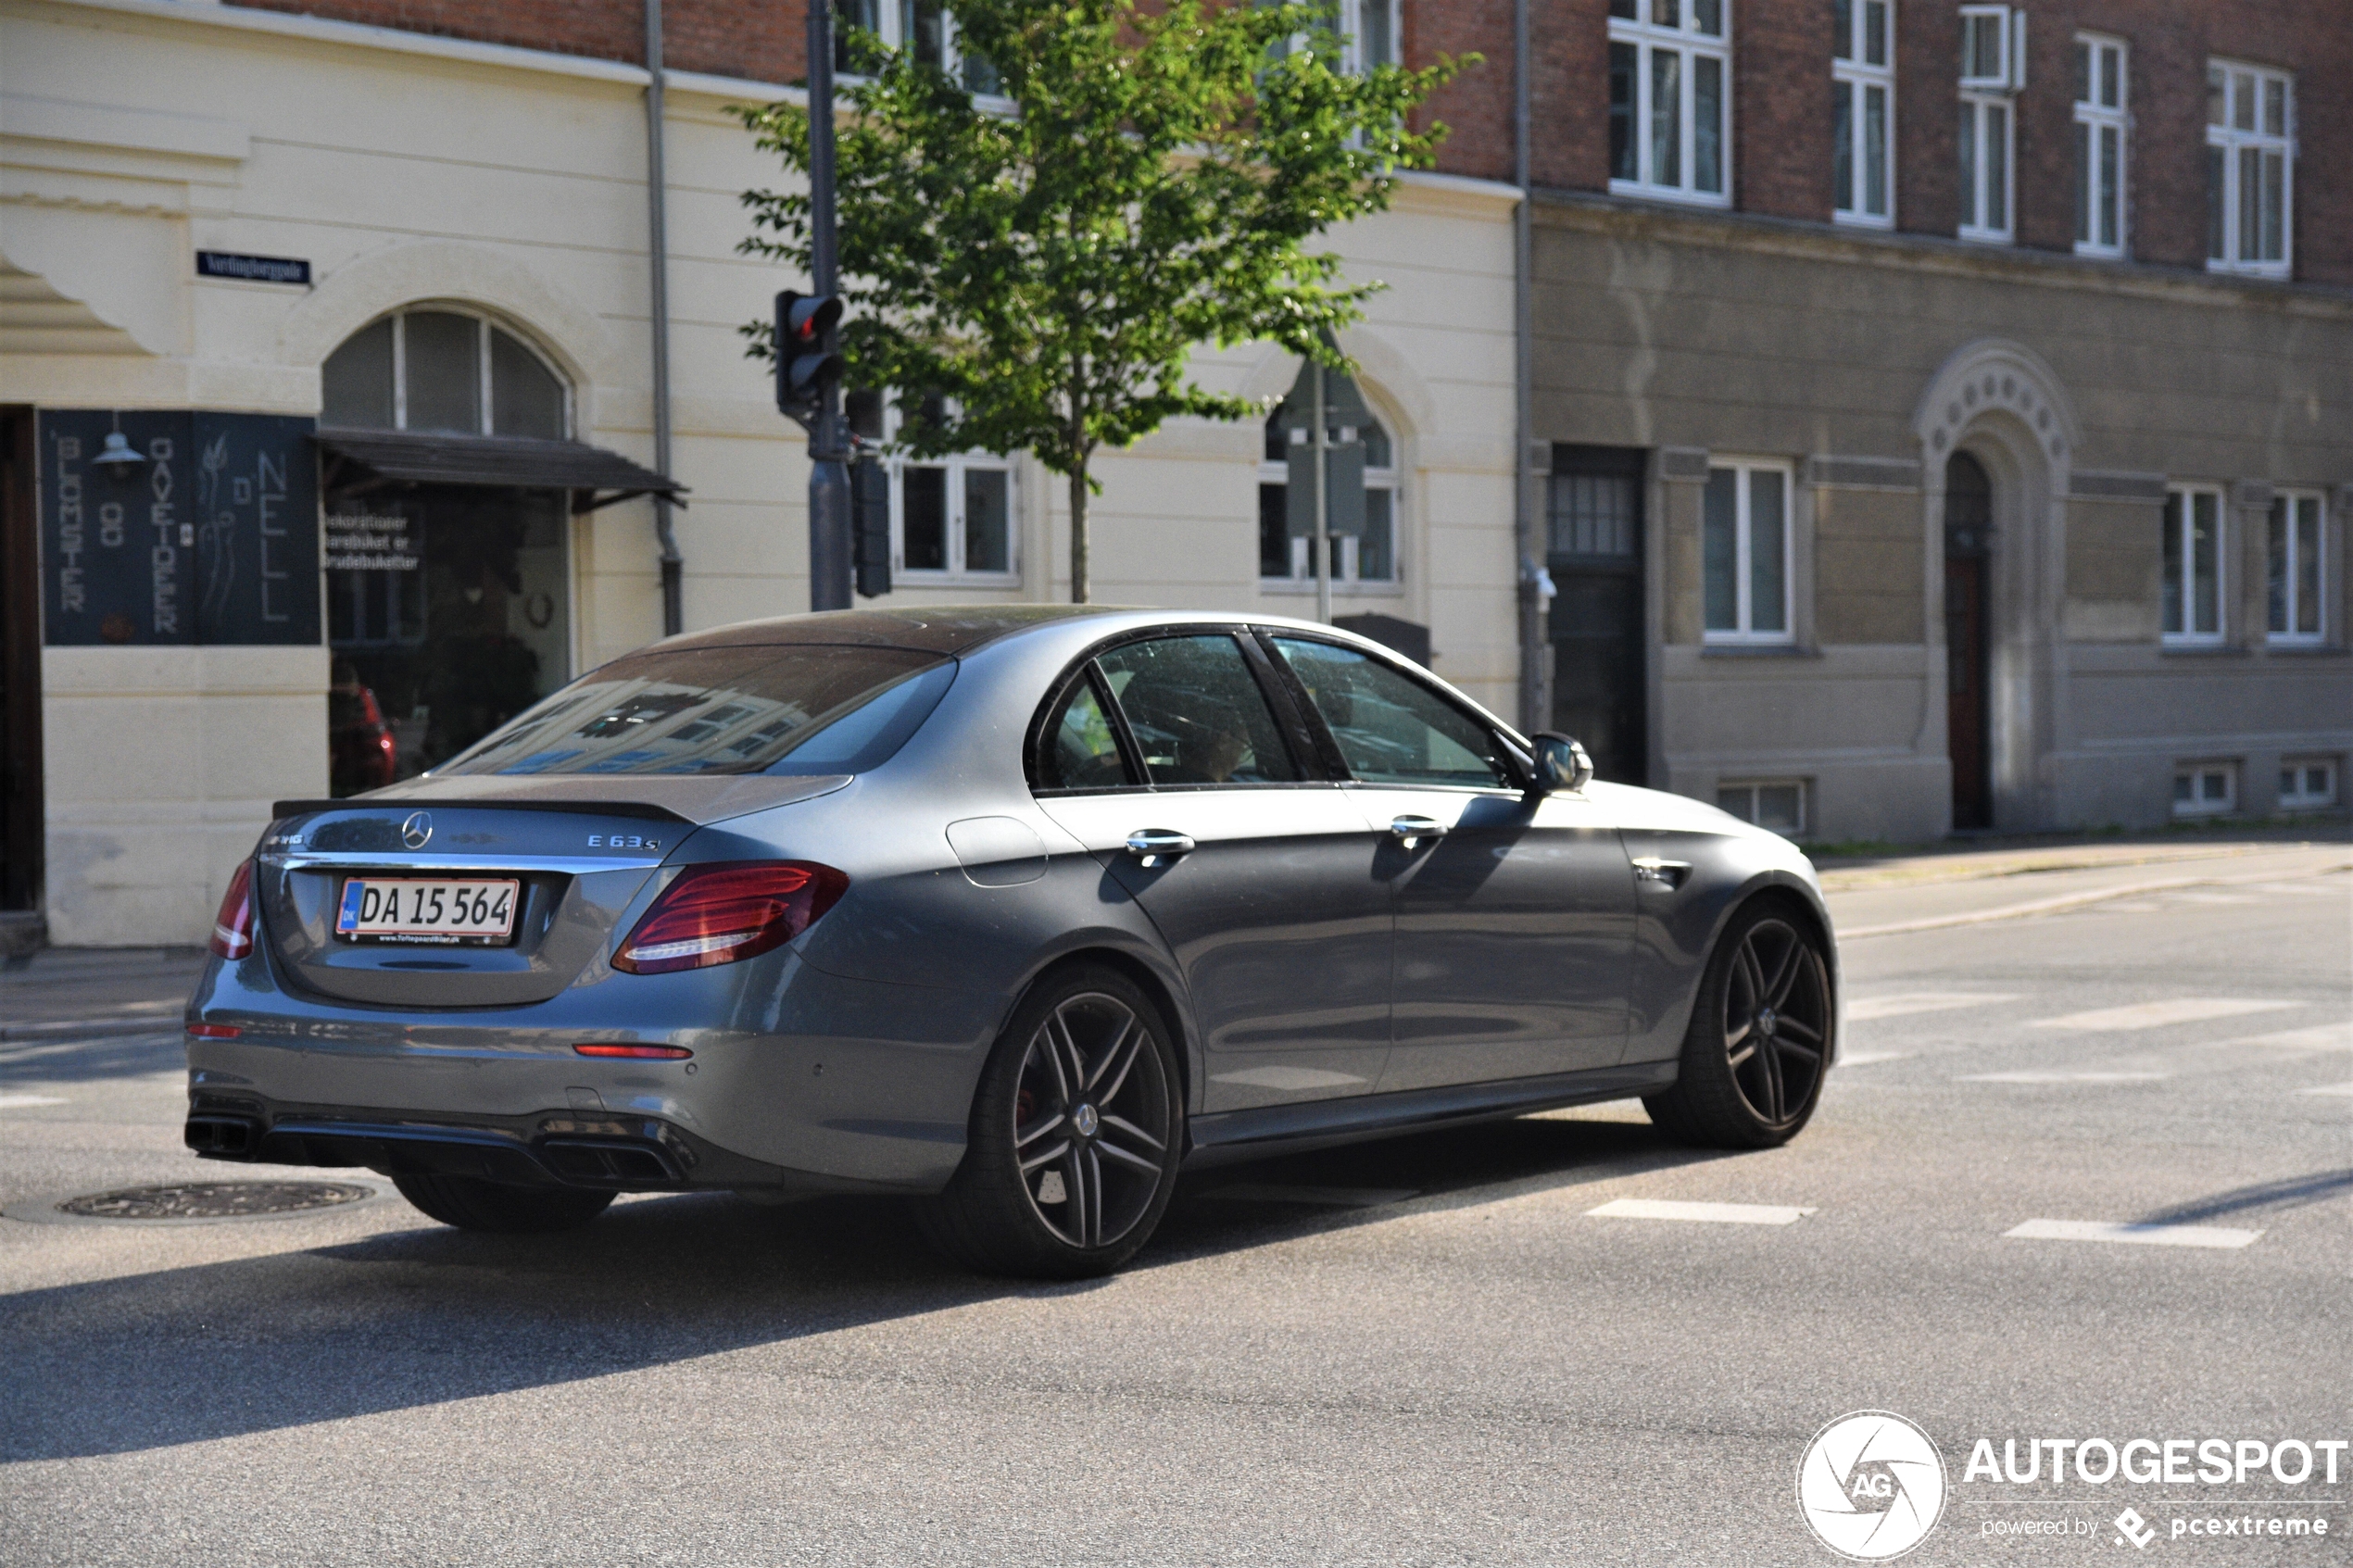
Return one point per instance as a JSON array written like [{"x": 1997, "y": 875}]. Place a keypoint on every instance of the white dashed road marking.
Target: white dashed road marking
[
  {"x": 2329, "y": 1089},
  {"x": 1862, "y": 1009},
  {"x": 2214, "y": 898},
  {"x": 2146, "y": 1235},
  {"x": 1711, "y": 1213},
  {"x": 2320, "y": 1037},
  {"x": 1864, "y": 1059},
  {"x": 2156, "y": 1015},
  {"x": 13, "y": 1102},
  {"x": 2301, "y": 889},
  {"x": 2056, "y": 1077}
]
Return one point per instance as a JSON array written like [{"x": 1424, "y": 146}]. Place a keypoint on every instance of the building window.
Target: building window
[
  {"x": 445, "y": 370},
  {"x": 951, "y": 518},
  {"x": 1369, "y": 39},
  {"x": 2297, "y": 569},
  {"x": 1670, "y": 99},
  {"x": 1992, "y": 67},
  {"x": 1777, "y": 804},
  {"x": 2204, "y": 789},
  {"x": 1370, "y": 557},
  {"x": 1746, "y": 553},
  {"x": 2100, "y": 110},
  {"x": 2308, "y": 784},
  {"x": 1862, "y": 110},
  {"x": 2250, "y": 167},
  {"x": 2194, "y": 566},
  {"x": 924, "y": 26}
]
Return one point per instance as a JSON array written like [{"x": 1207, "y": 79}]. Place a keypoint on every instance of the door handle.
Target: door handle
[
  {"x": 1668, "y": 874},
  {"x": 1152, "y": 846},
  {"x": 1411, "y": 831}
]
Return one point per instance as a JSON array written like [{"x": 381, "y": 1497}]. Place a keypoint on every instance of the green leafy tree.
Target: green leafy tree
[{"x": 1050, "y": 267}]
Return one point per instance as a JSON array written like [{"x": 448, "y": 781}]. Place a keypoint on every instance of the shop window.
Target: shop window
[
  {"x": 1369, "y": 558},
  {"x": 2296, "y": 544},
  {"x": 2100, "y": 121},
  {"x": 2193, "y": 582},
  {"x": 951, "y": 518},
  {"x": 2308, "y": 784},
  {"x": 1862, "y": 111},
  {"x": 449, "y": 606},
  {"x": 2250, "y": 169},
  {"x": 2204, "y": 789},
  {"x": 1670, "y": 103},
  {"x": 1777, "y": 804},
  {"x": 1745, "y": 553},
  {"x": 443, "y": 370}
]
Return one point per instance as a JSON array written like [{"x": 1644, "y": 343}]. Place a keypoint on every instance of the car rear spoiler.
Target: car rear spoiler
[{"x": 693, "y": 801}]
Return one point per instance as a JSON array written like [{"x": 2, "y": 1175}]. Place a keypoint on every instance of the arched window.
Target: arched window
[
  {"x": 437, "y": 369},
  {"x": 1371, "y": 558}
]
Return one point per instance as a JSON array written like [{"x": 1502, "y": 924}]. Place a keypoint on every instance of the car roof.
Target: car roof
[{"x": 953, "y": 629}]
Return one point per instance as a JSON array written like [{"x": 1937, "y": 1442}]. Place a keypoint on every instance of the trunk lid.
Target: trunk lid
[{"x": 578, "y": 862}]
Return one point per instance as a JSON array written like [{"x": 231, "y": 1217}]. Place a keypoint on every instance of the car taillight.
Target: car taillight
[
  {"x": 637, "y": 1053},
  {"x": 233, "y": 927},
  {"x": 715, "y": 914}
]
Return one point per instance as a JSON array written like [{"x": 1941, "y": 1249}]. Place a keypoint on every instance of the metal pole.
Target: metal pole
[
  {"x": 674, "y": 615},
  {"x": 1535, "y": 683},
  {"x": 830, "y": 560},
  {"x": 1323, "y": 507}
]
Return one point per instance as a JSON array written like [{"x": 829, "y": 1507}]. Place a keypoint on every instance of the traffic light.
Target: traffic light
[
  {"x": 808, "y": 352},
  {"x": 870, "y": 519}
]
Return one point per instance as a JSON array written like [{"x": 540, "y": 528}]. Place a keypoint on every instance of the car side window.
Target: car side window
[
  {"x": 1078, "y": 749},
  {"x": 1197, "y": 712},
  {"x": 1391, "y": 728}
]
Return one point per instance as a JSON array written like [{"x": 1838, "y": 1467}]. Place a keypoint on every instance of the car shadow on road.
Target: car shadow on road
[{"x": 424, "y": 1316}]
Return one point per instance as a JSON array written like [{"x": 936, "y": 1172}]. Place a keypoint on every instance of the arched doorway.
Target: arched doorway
[
  {"x": 448, "y": 605},
  {"x": 1969, "y": 528}
]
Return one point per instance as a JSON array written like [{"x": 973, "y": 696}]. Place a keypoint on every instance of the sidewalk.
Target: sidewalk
[
  {"x": 85, "y": 993},
  {"x": 1961, "y": 862}
]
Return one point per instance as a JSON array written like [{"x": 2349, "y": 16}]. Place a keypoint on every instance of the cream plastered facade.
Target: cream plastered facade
[{"x": 408, "y": 169}]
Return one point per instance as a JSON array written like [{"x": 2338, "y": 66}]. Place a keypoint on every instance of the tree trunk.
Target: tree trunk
[{"x": 1078, "y": 586}]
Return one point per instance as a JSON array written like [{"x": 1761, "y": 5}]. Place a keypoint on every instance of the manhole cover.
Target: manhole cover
[{"x": 212, "y": 1201}]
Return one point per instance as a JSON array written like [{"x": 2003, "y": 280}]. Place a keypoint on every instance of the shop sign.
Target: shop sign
[{"x": 205, "y": 533}]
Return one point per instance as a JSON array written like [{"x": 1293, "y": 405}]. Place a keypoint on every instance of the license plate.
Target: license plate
[{"x": 449, "y": 913}]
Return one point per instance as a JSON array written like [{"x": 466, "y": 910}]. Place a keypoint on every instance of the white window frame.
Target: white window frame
[
  {"x": 956, "y": 466},
  {"x": 891, "y": 27},
  {"x": 1979, "y": 141},
  {"x": 2198, "y": 775},
  {"x": 2281, "y": 529},
  {"x": 1751, "y": 787},
  {"x": 2237, "y": 91},
  {"x": 1354, "y": 60},
  {"x": 485, "y": 391},
  {"x": 1855, "y": 77},
  {"x": 2102, "y": 123},
  {"x": 1681, "y": 35},
  {"x": 2298, "y": 796},
  {"x": 2005, "y": 27},
  {"x": 1346, "y": 573},
  {"x": 2181, "y": 532},
  {"x": 1743, "y": 632}
]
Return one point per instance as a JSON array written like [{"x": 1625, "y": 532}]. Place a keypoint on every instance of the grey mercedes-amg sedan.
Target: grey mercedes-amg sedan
[{"x": 1017, "y": 912}]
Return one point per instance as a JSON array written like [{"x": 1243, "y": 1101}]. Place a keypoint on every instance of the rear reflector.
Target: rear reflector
[
  {"x": 644, "y": 1053},
  {"x": 725, "y": 910},
  {"x": 215, "y": 1031},
  {"x": 233, "y": 927}
]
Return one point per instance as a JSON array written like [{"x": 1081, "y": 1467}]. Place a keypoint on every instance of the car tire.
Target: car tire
[
  {"x": 1756, "y": 1054},
  {"x": 471, "y": 1204},
  {"x": 1077, "y": 1131}
]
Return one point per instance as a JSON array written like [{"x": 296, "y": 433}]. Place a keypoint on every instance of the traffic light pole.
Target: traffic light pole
[
  {"x": 830, "y": 552},
  {"x": 1323, "y": 503}
]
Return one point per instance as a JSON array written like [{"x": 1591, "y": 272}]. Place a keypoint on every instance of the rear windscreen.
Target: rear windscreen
[{"x": 779, "y": 709}]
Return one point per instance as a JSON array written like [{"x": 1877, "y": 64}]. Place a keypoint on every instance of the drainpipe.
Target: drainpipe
[
  {"x": 673, "y": 618},
  {"x": 1535, "y": 582}
]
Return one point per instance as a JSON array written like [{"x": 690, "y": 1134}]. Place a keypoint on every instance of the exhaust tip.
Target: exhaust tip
[{"x": 222, "y": 1137}]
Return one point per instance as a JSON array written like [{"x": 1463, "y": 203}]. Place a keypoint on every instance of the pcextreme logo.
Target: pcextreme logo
[{"x": 1871, "y": 1485}]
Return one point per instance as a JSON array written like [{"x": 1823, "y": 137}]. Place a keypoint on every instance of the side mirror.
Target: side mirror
[{"x": 1561, "y": 763}]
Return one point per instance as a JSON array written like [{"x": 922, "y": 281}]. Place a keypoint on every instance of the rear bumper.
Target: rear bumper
[{"x": 561, "y": 1148}]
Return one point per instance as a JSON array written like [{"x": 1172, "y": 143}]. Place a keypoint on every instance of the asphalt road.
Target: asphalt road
[{"x": 1429, "y": 1351}]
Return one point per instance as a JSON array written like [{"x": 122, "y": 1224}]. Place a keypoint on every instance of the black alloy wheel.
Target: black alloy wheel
[
  {"x": 1075, "y": 1136},
  {"x": 1758, "y": 1049}
]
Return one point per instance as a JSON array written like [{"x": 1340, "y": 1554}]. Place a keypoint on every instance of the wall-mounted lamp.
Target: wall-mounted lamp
[{"x": 116, "y": 456}]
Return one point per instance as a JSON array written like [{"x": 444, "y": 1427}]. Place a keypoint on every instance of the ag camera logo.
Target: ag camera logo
[{"x": 1871, "y": 1485}]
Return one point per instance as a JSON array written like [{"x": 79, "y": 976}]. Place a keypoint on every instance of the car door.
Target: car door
[
  {"x": 1166, "y": 758},
  {"x": 1514, "y": 917}
]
